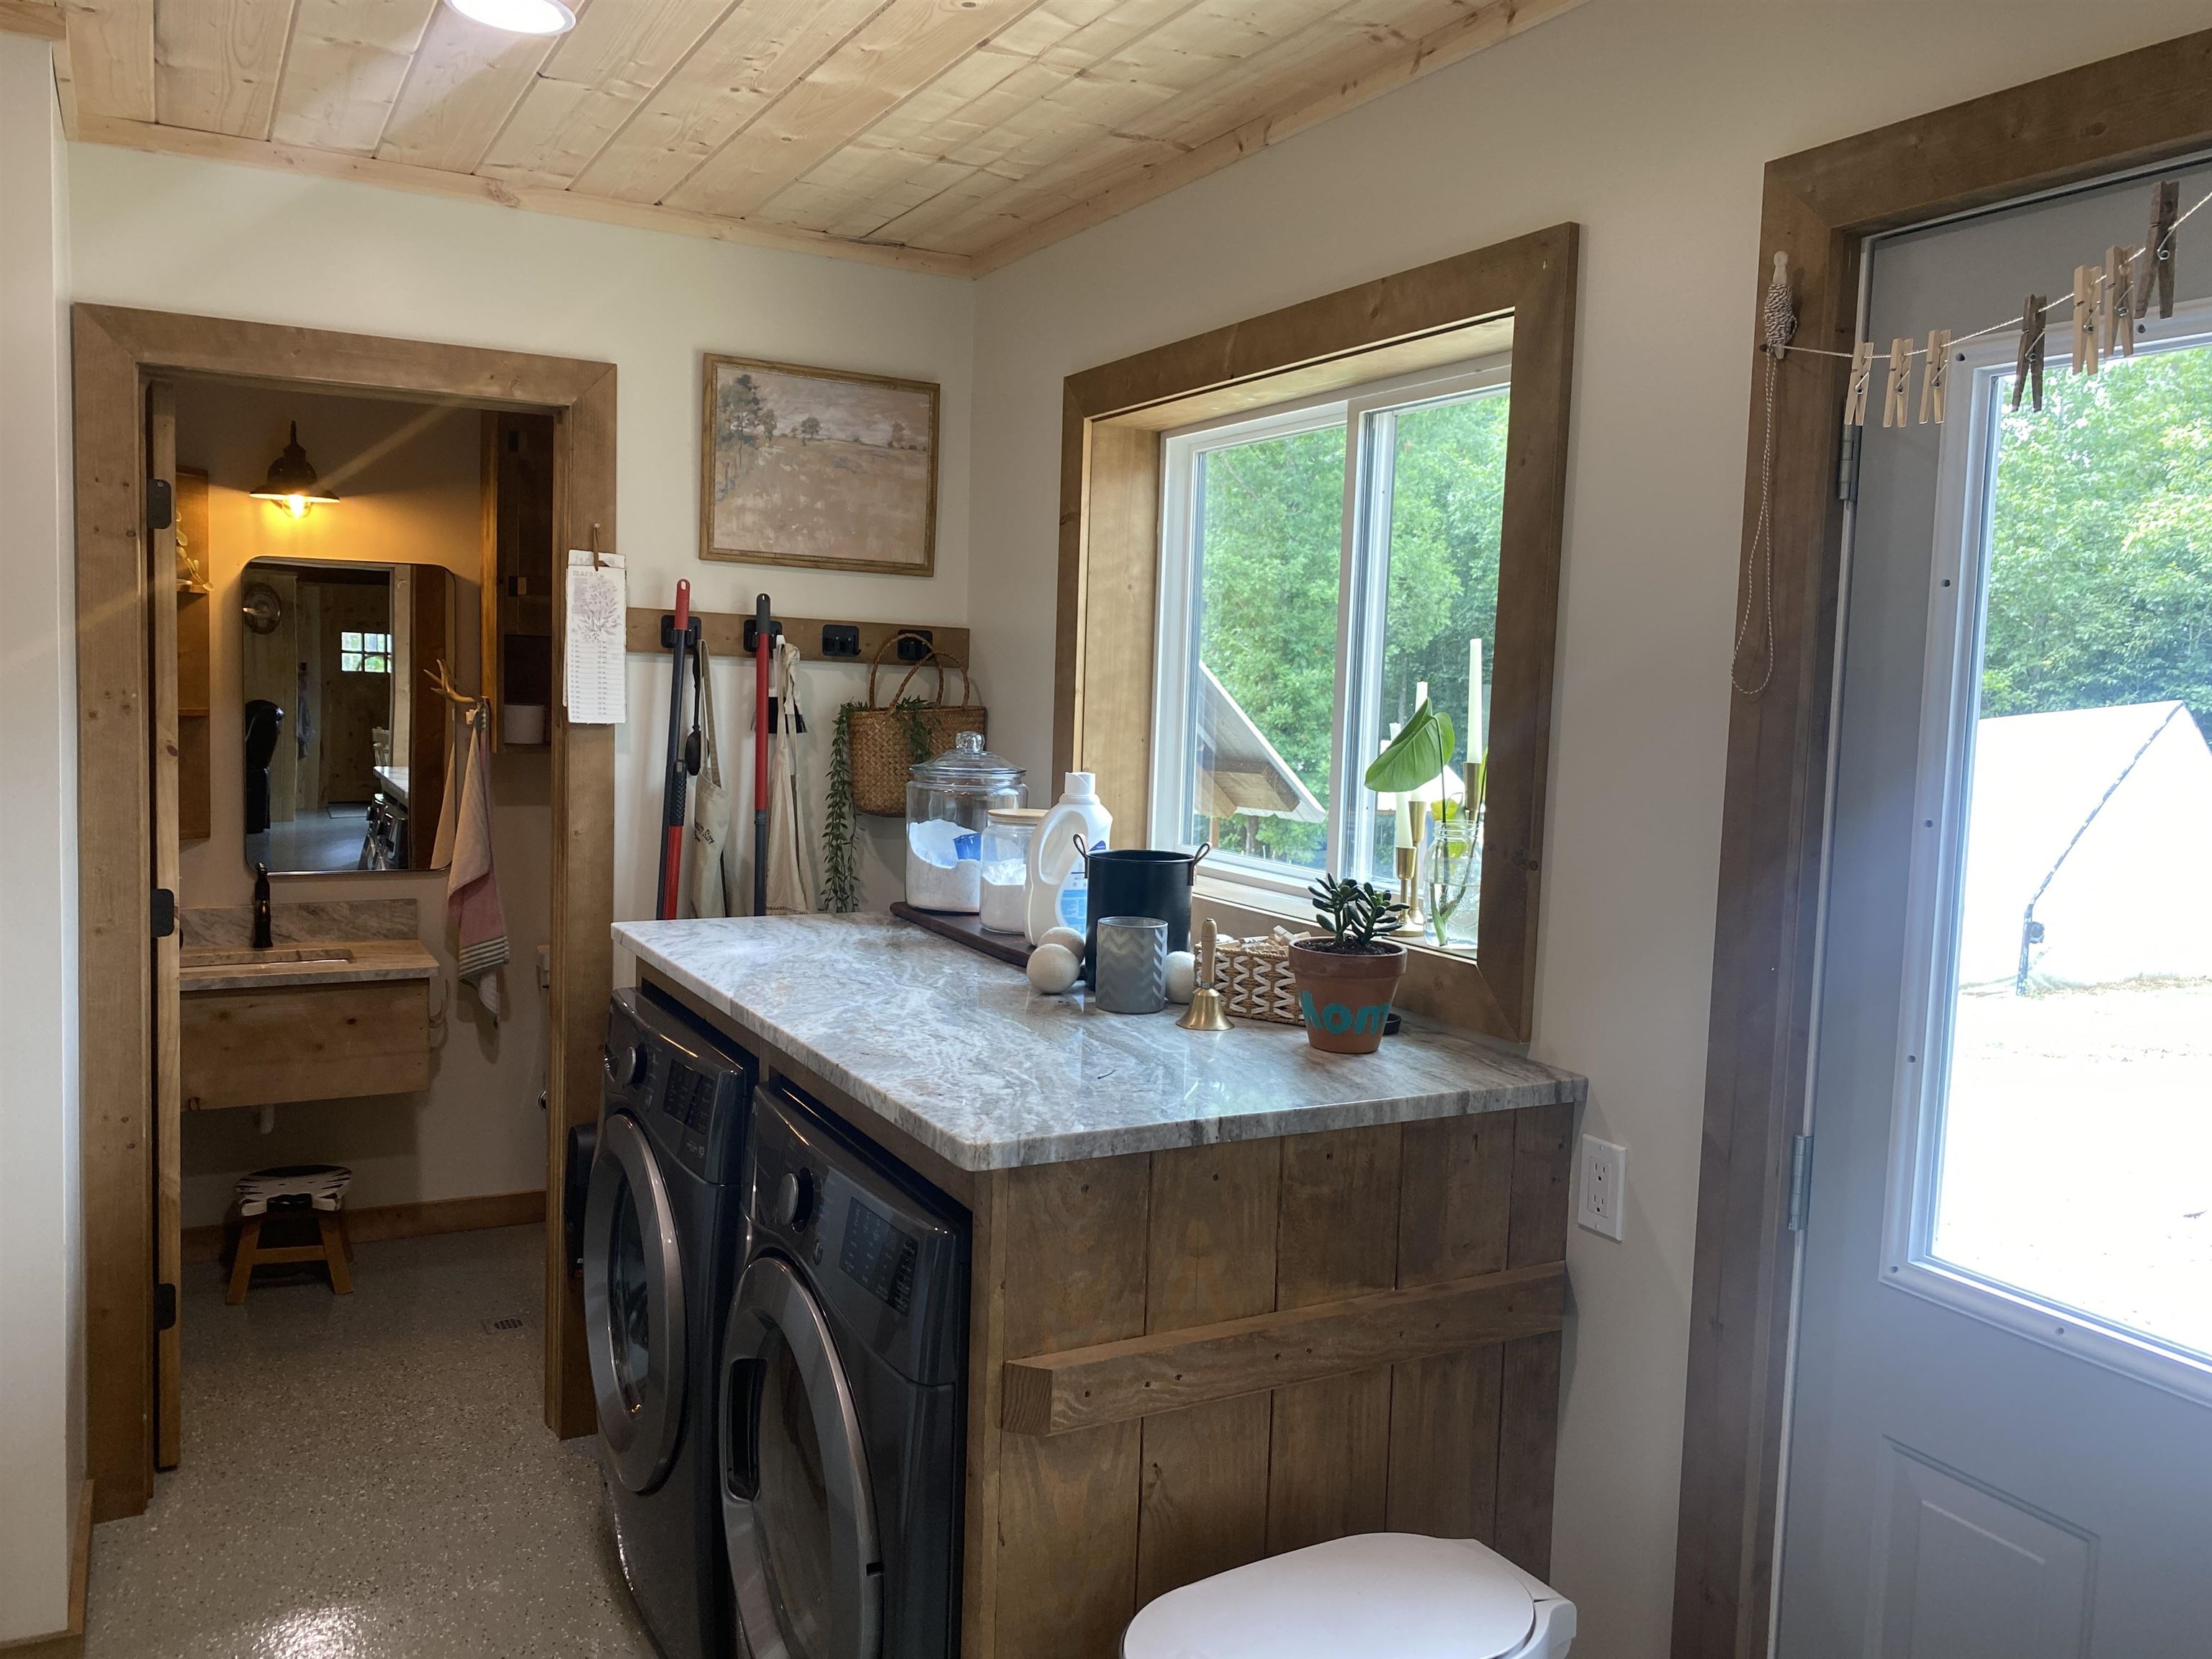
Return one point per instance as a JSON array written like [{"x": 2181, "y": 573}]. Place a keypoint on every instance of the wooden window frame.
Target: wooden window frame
[
  {"x": 1111, "y": 440},
  {"x": 117, "y": 351},
  {"x": 2141, "y": 109}
]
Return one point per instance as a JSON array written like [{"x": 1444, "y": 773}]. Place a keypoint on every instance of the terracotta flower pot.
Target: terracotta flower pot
[{"x": 1346, "y": 998}]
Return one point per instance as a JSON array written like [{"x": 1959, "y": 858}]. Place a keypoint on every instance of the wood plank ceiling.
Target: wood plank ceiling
[{"x": 945, "y": 135}]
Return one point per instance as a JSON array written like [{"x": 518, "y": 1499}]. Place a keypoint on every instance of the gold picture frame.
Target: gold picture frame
[{"x": 819, "y": 468}]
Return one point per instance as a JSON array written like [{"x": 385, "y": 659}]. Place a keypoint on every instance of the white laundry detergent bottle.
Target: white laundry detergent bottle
[{"x": 1060, "y": 891}]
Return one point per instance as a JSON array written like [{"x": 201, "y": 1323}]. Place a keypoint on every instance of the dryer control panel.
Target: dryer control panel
[
  {"x": 690, "y": 1086},
  {"x": 885, "y": 1251}
]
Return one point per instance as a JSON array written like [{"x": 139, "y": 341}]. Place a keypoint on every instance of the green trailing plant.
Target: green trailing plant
[
  {"x": 841, "y": 887},
  {"x": 841, "y": 880},
  {"x": 1354, "y": 912}
]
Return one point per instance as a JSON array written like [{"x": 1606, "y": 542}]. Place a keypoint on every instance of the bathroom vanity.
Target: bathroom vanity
[
  {"x": 1229, "y": 1295},
  {"x": 337, "y": 1008}
]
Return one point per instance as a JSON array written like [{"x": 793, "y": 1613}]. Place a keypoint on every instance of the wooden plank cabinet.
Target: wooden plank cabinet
[
  {"x": 1187, "y": 1361},
  {"x": 269, "y": 1048}
]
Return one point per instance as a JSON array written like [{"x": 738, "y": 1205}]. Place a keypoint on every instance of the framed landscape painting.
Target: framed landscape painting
[{"x": 818, "y": 467}]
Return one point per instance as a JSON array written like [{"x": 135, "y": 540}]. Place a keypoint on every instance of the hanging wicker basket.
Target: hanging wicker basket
[{"x": 888, "y": 741}]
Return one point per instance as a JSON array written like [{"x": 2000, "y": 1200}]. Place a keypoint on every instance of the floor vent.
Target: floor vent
[{"x": 493, "y": 1327}]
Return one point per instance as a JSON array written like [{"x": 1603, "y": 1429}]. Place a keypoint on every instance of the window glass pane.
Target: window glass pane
[
  {"x": 2077, "y": 1155},
  {"x": 1269, "y": 521},
  {"x": 348, "y": 662},
  {"x": 350, "y": 641},
  {"x": 1443, "y": 479}
]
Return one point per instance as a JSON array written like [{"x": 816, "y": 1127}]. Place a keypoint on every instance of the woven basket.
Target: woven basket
[
  {"x": 888, "y": 742},
  {"x": 1254, "y": 977}
]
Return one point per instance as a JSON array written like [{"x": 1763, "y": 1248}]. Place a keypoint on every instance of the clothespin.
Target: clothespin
[
  {"x": 2087, "y": 279},
  {"x": 1855, "y": 398},
  {"x": 2119, "y": 304},
  {"x": 2156, "y": 263},
  {"x": 1936, "y": 378},
  {"x": 2031, "y": 345},
  {"x": 1897, "y": 391}
]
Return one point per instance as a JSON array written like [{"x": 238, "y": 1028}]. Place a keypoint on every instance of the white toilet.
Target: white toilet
[{"x": 1410, "y": 1596}]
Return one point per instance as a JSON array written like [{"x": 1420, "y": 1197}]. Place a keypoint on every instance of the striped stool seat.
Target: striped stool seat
[{"x": 293, "y": 1194}]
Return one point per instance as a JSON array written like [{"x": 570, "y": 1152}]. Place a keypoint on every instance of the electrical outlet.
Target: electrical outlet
[{"x": 1604, "y": 1186}]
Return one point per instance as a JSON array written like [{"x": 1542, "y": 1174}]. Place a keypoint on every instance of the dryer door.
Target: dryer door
[
  {"x": 799, "y": 1514},
  {"x": 633, "y": 1306}
]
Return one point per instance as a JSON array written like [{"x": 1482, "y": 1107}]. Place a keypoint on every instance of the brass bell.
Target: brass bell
[{"x": 1206, "y": 1011}]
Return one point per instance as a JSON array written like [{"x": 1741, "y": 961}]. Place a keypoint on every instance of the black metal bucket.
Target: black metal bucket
[{"x": 1139, "y": 881}]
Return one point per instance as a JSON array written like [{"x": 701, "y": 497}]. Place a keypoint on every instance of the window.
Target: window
[
  {"x": 1324, "y": 564},
  {"x": 2059, "y": 1058},
  {"x": 364, "y": 653}
]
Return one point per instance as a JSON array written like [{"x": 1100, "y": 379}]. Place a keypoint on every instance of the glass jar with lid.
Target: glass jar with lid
[
  {"x": 949, "y": 800},
  {"x": 1007, "y": 839}
]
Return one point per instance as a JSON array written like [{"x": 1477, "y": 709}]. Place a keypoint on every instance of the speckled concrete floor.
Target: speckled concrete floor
[{"x": 368, "y": 1476}]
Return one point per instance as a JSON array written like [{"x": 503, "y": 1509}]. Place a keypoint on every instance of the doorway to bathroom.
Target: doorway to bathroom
[{"x": 357, "y": 636}]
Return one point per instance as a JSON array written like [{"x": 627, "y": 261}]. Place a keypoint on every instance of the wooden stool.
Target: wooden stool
[{"x": 297, "y": 1189}]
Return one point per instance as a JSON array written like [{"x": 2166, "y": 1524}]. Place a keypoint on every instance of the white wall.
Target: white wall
[
  {"x": 41, "y": 1287},
  {"x": 175, "y": 234},
  {"x": 1649, "y": 123}
]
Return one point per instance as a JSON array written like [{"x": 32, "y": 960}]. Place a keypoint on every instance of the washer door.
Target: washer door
[
  {"x": 798, "y": 1513},
  {"x": 633, "y": 1306}
]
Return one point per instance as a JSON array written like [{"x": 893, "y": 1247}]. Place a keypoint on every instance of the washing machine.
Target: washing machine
[
  {"x": 663, "y": 1241},
  {"x": 844, "y": 1362}
]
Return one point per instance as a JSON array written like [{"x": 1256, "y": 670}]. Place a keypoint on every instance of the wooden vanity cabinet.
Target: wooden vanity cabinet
[{"x": 285, "y": 1043}]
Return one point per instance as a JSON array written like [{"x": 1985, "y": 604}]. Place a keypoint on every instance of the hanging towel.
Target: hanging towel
[
  {"x": 472, "y": 889},
  {"x": 787, "y": 884},
  {"x": 712, "y": 884},
  {"x": 449, "y": 803}
]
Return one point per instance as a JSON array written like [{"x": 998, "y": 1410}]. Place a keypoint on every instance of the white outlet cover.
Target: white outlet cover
[{"x": 1602, "y": 1186}]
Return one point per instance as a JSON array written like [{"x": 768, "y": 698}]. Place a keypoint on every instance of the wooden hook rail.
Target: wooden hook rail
[{"x": 726, "y": 634}]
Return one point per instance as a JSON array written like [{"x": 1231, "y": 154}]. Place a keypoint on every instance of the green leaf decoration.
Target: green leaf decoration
[{"x": 1417, "y": 755}]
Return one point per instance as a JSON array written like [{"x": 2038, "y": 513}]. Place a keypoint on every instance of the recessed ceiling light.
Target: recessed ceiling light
[{"x": 519, "y": 16}]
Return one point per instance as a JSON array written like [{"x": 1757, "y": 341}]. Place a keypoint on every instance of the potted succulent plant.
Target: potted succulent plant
[{"x": 1348, "y": 976}]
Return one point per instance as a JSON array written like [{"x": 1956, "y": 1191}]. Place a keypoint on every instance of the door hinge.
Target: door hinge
[
  {"x": 165, "y": 1306},
  {"x": 1801, "y": 1181},
  {"x": 1847, "y": 464},
  {"x": 165, "y": 912},
  {"x": 161, "y": 504}
]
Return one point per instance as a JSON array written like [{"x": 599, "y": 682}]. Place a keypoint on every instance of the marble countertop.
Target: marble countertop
[
  {"x": 956, "y": 1050},
  {"x": 345, "y": 962}
]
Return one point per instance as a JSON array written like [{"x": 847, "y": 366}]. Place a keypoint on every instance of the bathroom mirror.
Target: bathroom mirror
[{"x": 345, "y": 738}]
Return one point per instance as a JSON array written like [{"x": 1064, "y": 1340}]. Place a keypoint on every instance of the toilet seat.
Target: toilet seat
[{"x": 1411, "y": 1597}]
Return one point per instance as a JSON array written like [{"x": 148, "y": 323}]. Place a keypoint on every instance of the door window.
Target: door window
[
  {"x": 2057, "y": 1080},
  {"x": 794, "y": 1505}
]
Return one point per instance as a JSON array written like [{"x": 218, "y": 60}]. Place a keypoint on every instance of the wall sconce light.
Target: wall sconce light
[{"x": 292, "y": 481}]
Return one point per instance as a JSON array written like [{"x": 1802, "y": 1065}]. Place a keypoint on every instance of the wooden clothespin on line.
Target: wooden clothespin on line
[
  {"x": 2032, "y": 344},
  {"x": 1897, "y": 389},
  {"x": 1862, "y": 380},
  {"x": 2155, "y": 266},
  {"x": 2083, "y": 354},
  {"x": 1935, "y": 377},
  {"x": 2119, "y": 313}
]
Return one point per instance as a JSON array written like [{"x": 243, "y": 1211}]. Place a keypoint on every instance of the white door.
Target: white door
[{"x": 2001, "y": 1434}]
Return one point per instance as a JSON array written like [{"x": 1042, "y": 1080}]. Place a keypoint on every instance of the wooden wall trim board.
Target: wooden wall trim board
[
  {"x": 1169, "y": 1371},
  {"x": 1525, "y": 290},
  {"x": 726, "y": 635},
  {"x": 427, "y": 1217},
  {"x": 2141, "y": 109},
  {"x": 116, "y": 350}
]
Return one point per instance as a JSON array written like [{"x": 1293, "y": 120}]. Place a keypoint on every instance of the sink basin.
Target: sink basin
[{"x": 283, "y": 957}]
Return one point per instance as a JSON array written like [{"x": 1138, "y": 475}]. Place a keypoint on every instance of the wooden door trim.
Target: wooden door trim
[
  {"x": 2137, "y": 109},
  {"x": 116, "y": 349}
]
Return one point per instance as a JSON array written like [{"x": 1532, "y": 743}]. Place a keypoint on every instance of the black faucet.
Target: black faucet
[{"x": 261, "y": 939}]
